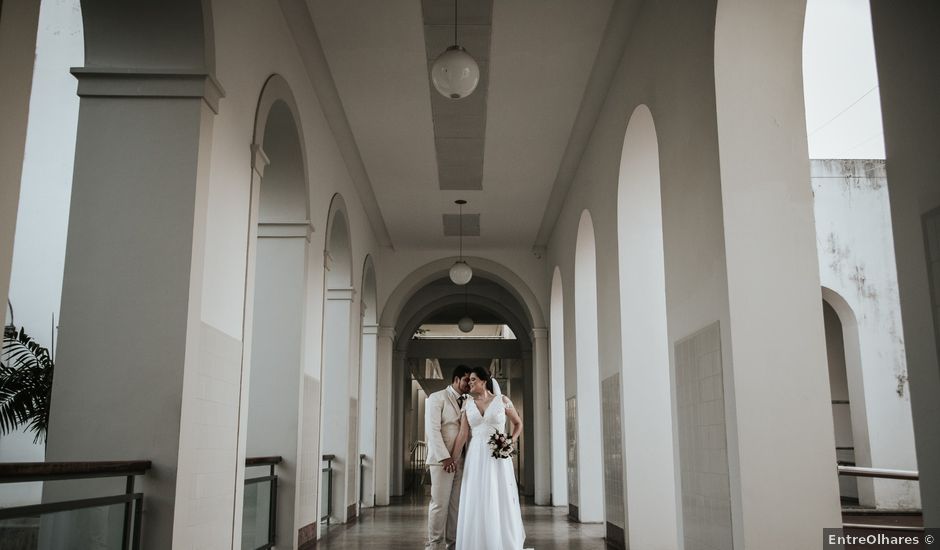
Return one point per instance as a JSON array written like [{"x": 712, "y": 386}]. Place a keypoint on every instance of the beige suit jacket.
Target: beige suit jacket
[{"x": 441, "y": 424}]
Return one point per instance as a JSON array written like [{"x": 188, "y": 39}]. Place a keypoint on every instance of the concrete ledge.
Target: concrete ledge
[{"x": 108, "y": 82}]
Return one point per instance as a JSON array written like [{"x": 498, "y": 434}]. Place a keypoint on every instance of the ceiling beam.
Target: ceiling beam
[
  {"x": 609, "y": 54},
  {"x": 457, "y": 348},
  {"x": 300, "y": 22}
]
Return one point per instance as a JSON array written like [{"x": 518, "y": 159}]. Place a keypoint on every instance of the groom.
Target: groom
[{"x": 441, "y": 425}]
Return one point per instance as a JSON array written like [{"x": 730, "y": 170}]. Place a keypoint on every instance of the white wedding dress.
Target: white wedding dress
[{"x": 489, "y": 517}]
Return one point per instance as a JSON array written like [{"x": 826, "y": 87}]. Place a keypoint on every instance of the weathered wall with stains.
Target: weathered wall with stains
[{"x": 856, "y": 262}]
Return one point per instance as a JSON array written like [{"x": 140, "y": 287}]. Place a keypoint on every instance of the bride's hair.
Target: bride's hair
[{"x": 483, "y": 375}]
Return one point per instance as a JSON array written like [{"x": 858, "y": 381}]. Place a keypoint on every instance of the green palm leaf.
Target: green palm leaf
[{"x": 25, "y": 385}]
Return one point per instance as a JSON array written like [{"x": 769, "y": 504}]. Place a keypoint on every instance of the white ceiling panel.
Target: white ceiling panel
[{"x": 541, "y": 54}]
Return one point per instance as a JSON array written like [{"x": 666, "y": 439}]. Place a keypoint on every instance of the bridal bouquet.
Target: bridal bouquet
[{"x": 501, "y": 445}]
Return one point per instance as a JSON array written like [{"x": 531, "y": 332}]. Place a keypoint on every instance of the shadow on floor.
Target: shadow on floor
[{"x": 403, "y": 525}]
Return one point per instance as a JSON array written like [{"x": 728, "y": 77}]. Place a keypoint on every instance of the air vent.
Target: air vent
[{"x": 471, "y": 225}]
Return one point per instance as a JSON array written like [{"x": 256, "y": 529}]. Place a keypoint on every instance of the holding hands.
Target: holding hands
[{"x": 450, "y": 465}]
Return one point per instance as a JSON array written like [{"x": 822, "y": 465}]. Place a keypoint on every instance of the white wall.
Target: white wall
[
  {"x": 45, "y": 193},
  {"x": 708, "y": 198},
  {"x": 856, "y": 260},
  {"x": 253, "y": 42},
  {"x": 675, "y": 83}
]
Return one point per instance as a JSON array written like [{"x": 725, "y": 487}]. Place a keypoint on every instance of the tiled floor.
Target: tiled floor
[{"x": 403, "y": 525}]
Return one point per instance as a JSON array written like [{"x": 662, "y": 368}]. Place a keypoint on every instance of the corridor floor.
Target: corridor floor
[{"x": 403, "y": 525}]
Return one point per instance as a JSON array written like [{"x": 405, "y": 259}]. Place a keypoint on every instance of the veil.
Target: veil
[{"x": 496, "y": 390}]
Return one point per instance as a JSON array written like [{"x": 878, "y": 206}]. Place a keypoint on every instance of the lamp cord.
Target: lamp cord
[{"x": 455, "y": 22}]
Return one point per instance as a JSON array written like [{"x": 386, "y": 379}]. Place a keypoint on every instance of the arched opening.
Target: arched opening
[
  {"x": 585, "y": 404},
  {"x": 562, "y": 475},
  {"x": 430, "y": 345},
  {"x": 847, "y": 386},
  {"x": 841, "y": 412},
  {"x": 368, "y": 389},
  {"x": 647, "y": 388},
  {"x": 850, "y": 183},
  {"x": 275, "y": 310},
  {"x": 340, "y": 394},
  {"x": 401, "y": 317}
]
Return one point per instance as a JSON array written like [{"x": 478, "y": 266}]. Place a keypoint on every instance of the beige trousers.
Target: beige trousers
[{"x": 442, "y": 513}]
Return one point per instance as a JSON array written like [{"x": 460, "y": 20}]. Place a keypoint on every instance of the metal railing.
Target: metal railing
[
  {"x": 326, "y": 479},
  {"x": 23, "y": 472},
  {"x": 879, "y": 473},
  {"x": 271, "y": 479},
  {"x": 419, "y": 455}
]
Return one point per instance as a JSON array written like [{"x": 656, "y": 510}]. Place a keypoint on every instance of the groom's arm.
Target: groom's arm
[{"x": 433, "y": 410}]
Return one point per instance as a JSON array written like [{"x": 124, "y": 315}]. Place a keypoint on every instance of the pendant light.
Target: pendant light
[
  {"x": 460, "y": 272},
  {"x": 455, "y": 74},
  {"x": 465, "y": 324}
]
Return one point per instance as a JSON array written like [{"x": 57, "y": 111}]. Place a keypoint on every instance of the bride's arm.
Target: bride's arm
[
  {"x": 514, "y": 418},
  {"x": 462, "y": 437}
]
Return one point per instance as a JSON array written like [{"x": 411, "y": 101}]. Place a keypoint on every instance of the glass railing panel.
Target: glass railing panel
[
  {"x": 256, "y": 515},
  {"x": 19, "y": 533},
  {"x": 324, "y": 493},
  {"x": 97, "y": 528}
]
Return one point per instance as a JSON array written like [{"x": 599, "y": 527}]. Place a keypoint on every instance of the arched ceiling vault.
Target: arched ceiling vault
[
  {"x": 441, "y": 299},
  {"x": 516, "y": 290}
]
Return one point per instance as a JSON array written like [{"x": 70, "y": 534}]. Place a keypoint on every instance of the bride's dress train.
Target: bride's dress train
[{"x": 489, "y": 514}]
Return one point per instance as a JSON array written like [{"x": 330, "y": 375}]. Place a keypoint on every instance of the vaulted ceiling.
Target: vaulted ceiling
[{"x": 500, "y": 148}]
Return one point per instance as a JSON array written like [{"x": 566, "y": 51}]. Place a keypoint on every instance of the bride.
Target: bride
[{"x": 489, "y": 517}]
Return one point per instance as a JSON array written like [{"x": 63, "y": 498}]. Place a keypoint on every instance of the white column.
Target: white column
[
  {"x": 906, "y": 43},
  {"x": 335, "y": 417},
  {"x": 542, "y": 418},
  {"x": 368, "y": 420},
  {"x": 401, "y": 388},
  {"x": 529, "y": 456},
  {"x": 259, "y": 161},
  {"x": 277, "y": 357},
  {"x": 383, "y": 415},
  {"x": 18, "y": 24},
  {"x": 130, "y": 376},
  {"x": 559, "y": 435},
  {"x": 778, "y": 402},
  {"x": 352, "y": 410}
]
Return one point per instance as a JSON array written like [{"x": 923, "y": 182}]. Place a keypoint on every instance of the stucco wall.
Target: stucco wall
[
  {"x": 253, "y": 42},
  {"x": 668, "y": 56},
  {"x": 856, "y": 261}
]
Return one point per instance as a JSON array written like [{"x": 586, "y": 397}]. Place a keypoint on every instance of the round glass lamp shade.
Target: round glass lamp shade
[
  {"x": 465, "y": 324},
  {"x": 455, "y": 73},
  {"x": 460, "y": 273}
]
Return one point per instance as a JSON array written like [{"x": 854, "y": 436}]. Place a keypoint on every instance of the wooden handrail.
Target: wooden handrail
[
  {"x": 263, "y": 460},
  {"x": 19, "y": 472}
]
